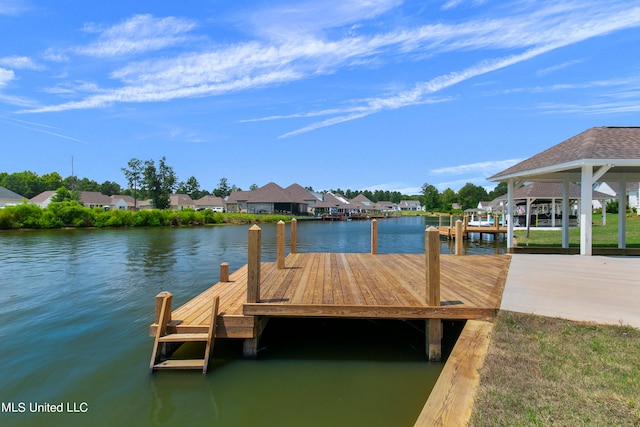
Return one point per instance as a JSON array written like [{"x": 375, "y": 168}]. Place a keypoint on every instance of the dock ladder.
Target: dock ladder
[{"x": 163, "y": 339}]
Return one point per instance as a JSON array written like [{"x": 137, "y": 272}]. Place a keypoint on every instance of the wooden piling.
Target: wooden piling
[
  {"x": 459, "y": 238},
  {"x": 280, "y": 245},
  {"x": 432, "y": 276},
  {"x": 253, "y": 264},
  {"x": 224, "y": 272},
  {"x": 374, "y": 236},
  {"x": 294, "y": 235},
  {"x": 159, "y": 299}
]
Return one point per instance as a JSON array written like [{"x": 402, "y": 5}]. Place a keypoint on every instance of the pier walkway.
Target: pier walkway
[{"x": 339, "y": 285}]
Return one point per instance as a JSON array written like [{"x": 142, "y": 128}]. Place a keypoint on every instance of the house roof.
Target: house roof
[
  {"x": 94, "y": 198},
  {"x": 5, "y": 193},
  {"x": 42, "y": 197},
  {"x": 209, "y": 200},
  {"x": 270, "y": 193},
  {"x": 300, "y": 194},
  {"x": 330, "y": 201},
  {"x": 180, "y": 200},
  {"x": 361, "y": 199},
  {"x": 549, "y": 190},
  {"x": 599, "y": 146}
]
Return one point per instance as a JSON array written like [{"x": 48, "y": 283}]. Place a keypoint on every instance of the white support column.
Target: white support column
[
  {"x": 622, "y": 213},
  {"x": 566, "y": 212},
  {"x": 509, "y": 213},
  {"x": 586, "y": 217}
]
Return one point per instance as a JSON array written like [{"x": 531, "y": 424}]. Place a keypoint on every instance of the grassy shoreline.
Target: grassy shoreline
[
  {"x": 549, "y": 371},
  {"x": 603, "y": 235}
]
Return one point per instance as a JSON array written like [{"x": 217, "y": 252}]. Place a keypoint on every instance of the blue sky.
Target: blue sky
[{"x": 369, "y": 94}]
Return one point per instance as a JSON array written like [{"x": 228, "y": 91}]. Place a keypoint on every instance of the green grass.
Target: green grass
[
  {"x": 604, "y": 236},
  {"x": 554, "y": 372}
]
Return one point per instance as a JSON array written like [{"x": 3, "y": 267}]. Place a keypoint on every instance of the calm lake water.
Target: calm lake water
[{"x": 76, "y": 307}]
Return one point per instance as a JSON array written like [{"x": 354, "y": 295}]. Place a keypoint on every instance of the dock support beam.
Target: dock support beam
[
  {"x": 459, "y": 238},
  {"x": 253, "y": 264},
  {"x": 250, "y": 346},
  {"x": 432, "y": 276},
  {"x": 280, "y": 245},
  {"x": 294, "y": 235},
  {"x": 374, "y": 236},
  {"x": 224, "y": 272}
]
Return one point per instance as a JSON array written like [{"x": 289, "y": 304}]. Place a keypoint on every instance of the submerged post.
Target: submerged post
[
  {"x": 224, "y": 272},
  {"x": 459, "y": 237},
  {"x": 432, "y": 275},
  {"x": 253, "y": 264},
  {"x": 280, "y": 245},
  {"x": 294, "y": 235},
  {"x": 374, "y": 236}
]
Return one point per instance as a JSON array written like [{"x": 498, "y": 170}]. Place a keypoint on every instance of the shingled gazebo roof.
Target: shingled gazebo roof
[{"x": 599, "y": 146}]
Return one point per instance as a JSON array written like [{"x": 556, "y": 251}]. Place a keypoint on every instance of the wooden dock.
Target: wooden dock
[
  {"x": 462, "y": 227},
  {"x": 342, "y": 285}
]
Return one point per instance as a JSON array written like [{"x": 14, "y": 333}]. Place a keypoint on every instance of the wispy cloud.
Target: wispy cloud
[
  {"x": 41, "y": 128},
  {"x": 6, "y": 76},
  {"x": 141, "y": 33},
  {"x": 13, "y": 7},
  {"x": 253, "y": 64},
  {"x": 451, "y": 4},
  {"x": 485, "y": 168},
  {"x": 19, "y": 62},
  {"x": 557, "y": 67}
]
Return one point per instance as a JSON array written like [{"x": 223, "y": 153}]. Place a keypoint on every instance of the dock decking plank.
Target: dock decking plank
[{"x": 351, "y": 285}]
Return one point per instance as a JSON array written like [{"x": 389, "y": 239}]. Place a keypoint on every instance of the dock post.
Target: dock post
[
  {"x": 280, "y": 245},
  {"x": 253, "y": 264},
  {"x": 294, "y": 235},
  {"x": 159, "y": 299},
  {"x": 439, "y": 220},
  {"x": 432, "y": 274},
  {"x": 224, "y": 272},
  {"x": 374, "y": 236},
  {"x": 459, "y": 237},
  {"x": 250, "y": 345}
]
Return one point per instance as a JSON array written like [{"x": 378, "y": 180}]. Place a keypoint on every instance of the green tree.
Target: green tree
[
  {"x": 134, "y": 176},
  {"x": 160, "y": 182},
  {"x": 253, "y": 187},
  {"x": 64, "y": 195},
  {"x": 191, "y": 187},
  {"x": 447, "y": 198},
  {"x": 430, "y": 197},
  {"x": 499, "y": 190},
  {"x": 471, "y": 194},
  {"x": 110, "y": 188},
  {"x": 223, "y": 189}
]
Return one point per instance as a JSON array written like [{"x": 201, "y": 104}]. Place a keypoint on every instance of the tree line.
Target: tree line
[{"x": 146, "y": 180}]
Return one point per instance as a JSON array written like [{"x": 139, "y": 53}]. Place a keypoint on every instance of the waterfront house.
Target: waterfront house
[
  {"x": 9, "y": 198},
  {"x": 213, "y": 203},
  {"x": 179, "y": 202},
  {"x": 410, "y": 205}
]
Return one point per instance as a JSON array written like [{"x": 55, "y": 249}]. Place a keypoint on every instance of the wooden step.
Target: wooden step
[
  {"x": 180, "y": 364},
  {"x": 198, "y": 337}
]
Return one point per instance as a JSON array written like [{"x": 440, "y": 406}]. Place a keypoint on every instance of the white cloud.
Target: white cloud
[
  {"x": 486, "y": 168},
  {"x": 256, "y": 64},
  {"x": 557, "y": 67},
  {"x": 141, "y": 33},
  {"x": 19, "y": 62},
  {"x": 6, "y": 76}
]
